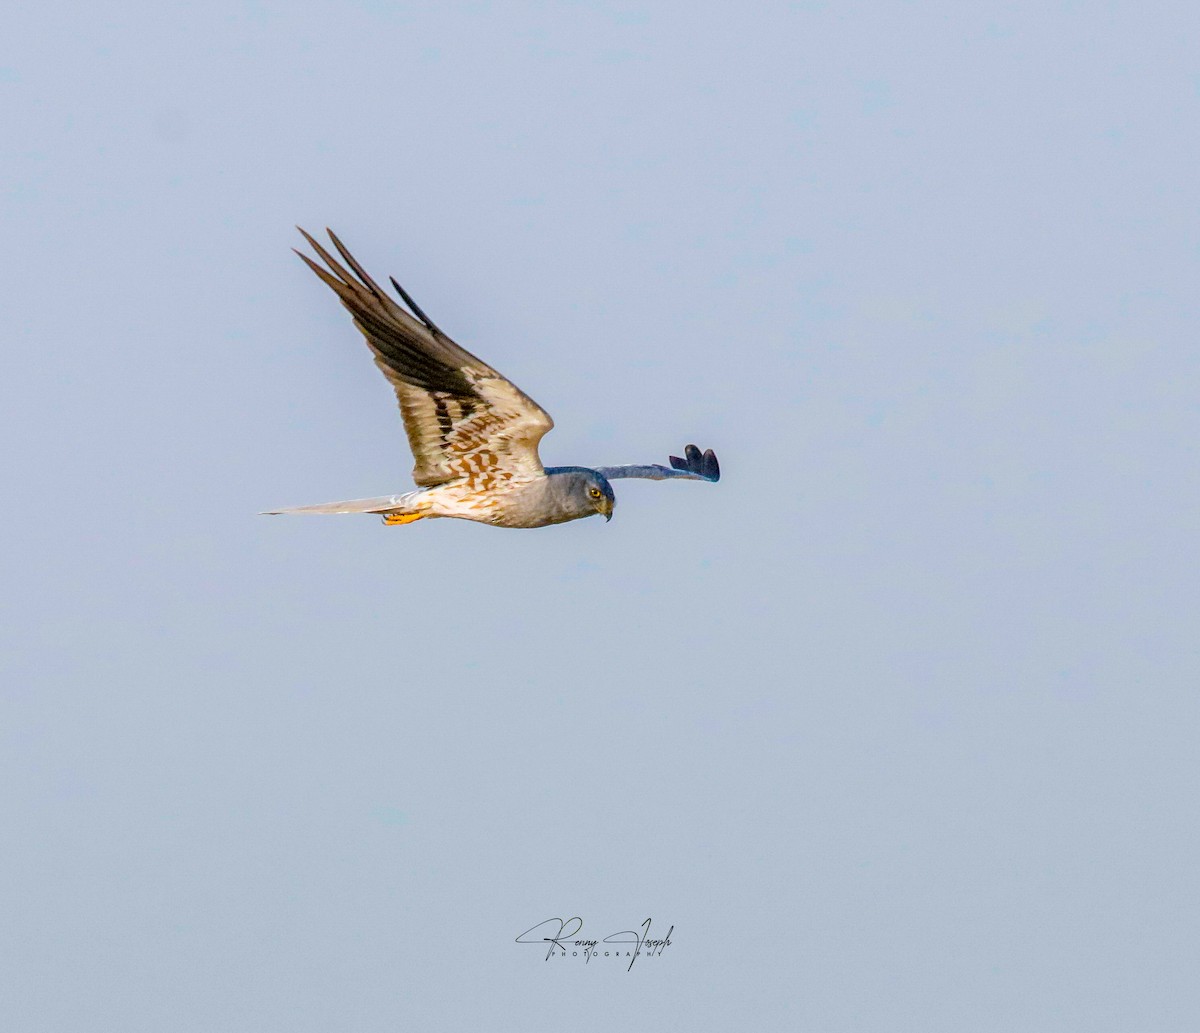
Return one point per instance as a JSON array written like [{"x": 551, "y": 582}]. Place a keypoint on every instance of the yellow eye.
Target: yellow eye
[{"x": 595, "y": 493}]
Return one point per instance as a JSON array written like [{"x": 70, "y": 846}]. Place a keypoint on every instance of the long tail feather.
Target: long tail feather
[{"x": 382, "y": 504}]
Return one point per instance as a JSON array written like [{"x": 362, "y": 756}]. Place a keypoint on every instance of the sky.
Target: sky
[{"x": 894, "y": 728}]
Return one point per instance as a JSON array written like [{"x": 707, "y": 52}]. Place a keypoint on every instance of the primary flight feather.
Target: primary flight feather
[{"x": 474, "y": 433}]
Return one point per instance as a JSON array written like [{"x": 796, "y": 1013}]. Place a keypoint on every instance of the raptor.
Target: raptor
[{"x": 473, "y": 432}]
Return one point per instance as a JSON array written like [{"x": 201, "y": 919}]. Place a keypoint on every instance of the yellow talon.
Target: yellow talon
[{"x": 392, "y": 519}]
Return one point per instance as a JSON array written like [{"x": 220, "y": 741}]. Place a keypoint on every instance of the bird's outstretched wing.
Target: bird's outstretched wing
[
  {"x": 464, "y": 420},
  {"x": 695, "y": 465}
]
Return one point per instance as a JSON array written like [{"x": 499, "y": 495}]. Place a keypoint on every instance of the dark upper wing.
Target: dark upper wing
[
  {"x": 694, "y": 465},
  {"x": 462, "y": 417}
]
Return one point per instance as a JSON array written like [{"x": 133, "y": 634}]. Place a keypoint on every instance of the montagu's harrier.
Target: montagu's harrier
[{"x": 474, "y": 434}]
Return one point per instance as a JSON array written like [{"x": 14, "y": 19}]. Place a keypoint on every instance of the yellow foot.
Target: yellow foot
[{"x": 392, "y": 519}]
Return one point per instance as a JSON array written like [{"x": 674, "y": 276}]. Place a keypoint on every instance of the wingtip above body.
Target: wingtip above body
[{"x": 463, "y": 418}]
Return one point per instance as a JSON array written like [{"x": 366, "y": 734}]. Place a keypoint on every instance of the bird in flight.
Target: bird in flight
[{"x": 474, "y": 433}]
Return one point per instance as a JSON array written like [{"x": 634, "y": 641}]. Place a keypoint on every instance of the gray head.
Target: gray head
[{"x": 580, "y": 492}]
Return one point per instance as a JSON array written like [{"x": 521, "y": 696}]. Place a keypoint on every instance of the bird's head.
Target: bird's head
[
  {"x": 600, "y": 494},
  {"x": 585, "y": 491}
]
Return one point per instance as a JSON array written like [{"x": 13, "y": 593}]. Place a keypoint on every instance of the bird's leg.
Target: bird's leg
[{"x": 392, "y": 519}]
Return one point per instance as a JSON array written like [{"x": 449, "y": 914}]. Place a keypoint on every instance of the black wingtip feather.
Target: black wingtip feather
[
  {"x": 416, "y": 309},
  {"x": 409, "y": 357},
  {"x": 702, "y": 465}
]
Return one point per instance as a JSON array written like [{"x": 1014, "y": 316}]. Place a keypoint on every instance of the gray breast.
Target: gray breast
[{"x": 550, "y": 500}]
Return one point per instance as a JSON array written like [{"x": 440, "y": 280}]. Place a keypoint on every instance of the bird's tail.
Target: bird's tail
[{"x": 404, "y": 508}]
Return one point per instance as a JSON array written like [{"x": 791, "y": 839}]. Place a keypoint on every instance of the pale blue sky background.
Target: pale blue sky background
[{"x": 897, "y": 725}]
